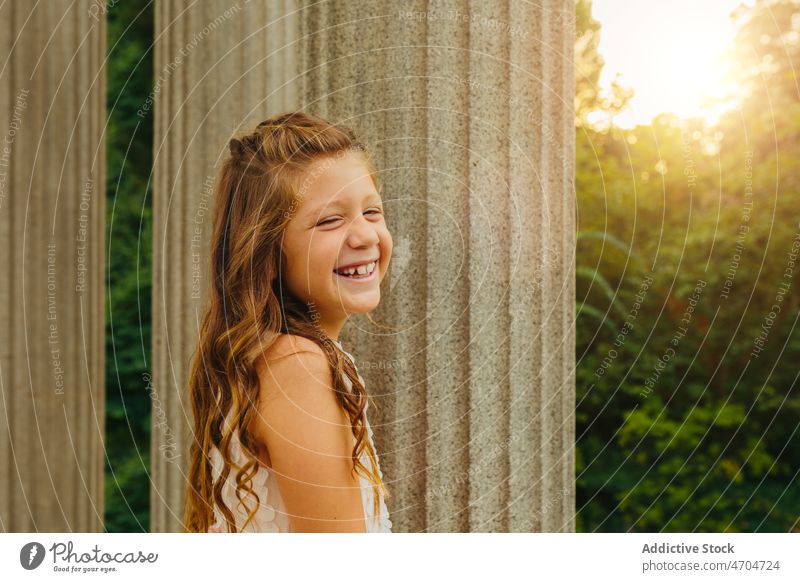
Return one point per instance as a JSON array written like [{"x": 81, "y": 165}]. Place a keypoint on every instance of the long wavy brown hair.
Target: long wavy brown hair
[{"x": 256, "y": 195}]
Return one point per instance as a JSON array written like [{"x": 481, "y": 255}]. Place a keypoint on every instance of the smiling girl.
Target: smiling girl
[{"x": 300, "y": 243}]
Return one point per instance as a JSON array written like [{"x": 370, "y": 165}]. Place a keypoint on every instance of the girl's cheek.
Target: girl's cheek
[
  {"x": 389, "y": 244},
  {"x": 386, "y": 251}
]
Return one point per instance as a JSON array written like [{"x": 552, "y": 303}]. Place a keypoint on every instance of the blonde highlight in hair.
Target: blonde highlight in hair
[{"x": 255, "y": 196}]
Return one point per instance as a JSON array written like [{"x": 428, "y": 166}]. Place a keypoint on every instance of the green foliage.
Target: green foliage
[
  {"x": 682, "y": 425},
  {"x": 129, "y": 238}
]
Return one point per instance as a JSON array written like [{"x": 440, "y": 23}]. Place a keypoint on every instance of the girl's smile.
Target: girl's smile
[{"x": 359, "y": 272}]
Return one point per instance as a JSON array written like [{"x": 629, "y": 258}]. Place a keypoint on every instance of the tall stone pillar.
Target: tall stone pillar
[
  {"x": 217, "y": 68},
  {"x": 468, "y": 107},
  {"x": 52, "y": 217},
  {"x": 471, "y": 357}
]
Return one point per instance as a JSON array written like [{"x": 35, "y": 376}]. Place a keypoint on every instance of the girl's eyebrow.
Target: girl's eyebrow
[{"x": 339, "y": 204}]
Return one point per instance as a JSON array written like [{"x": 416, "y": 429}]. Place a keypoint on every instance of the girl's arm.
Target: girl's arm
[{"x": 309, "y": 439}]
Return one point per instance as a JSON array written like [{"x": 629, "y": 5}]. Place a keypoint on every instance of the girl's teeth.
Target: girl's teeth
[{"x": 360, "y": 270}]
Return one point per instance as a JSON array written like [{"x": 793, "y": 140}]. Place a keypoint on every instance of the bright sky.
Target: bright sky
[{"x": 666, "y": 51}]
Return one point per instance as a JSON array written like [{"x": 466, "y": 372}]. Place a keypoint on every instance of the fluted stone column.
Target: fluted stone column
[
  {"x": 216, "y": 68},
  {"x": 468, "y": 107},
  {"x": 52, "y": 216}
]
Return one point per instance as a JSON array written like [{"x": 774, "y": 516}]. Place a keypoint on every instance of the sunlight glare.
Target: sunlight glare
[{"x": 670, "y": 53}]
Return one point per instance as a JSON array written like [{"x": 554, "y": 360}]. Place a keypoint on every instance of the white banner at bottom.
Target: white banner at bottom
[{"x": 398, "y": 556}]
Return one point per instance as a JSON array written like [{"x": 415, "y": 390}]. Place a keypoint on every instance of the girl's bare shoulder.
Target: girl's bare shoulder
[
  {"x": 291, "y": 364},
  {"x": 295, "y": 390},
  {"x": 290, "y": 344}
]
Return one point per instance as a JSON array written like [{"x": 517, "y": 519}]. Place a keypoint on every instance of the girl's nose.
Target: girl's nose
[{"x": 362, "y": 233}]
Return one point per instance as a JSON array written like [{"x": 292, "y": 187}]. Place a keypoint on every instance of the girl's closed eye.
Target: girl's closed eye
[{"x": 374, "y": 211}]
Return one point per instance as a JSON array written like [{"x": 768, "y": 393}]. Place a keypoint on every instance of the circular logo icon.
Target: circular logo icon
[{"x": 31, "y": 555}]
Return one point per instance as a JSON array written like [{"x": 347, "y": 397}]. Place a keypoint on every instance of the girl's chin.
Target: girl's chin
[
  {"x": 357, "y": 307},
  {"x": 355, "y": 303}
]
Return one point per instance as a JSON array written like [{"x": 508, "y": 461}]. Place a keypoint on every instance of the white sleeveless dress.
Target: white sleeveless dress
[{"x": 271, "y": 515}]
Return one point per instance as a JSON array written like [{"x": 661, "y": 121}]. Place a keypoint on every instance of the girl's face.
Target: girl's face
[{"x": 338, "y": 225}]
